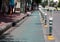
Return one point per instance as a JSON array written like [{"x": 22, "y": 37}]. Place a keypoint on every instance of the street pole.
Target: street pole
[
  {"x": 50, "y": 36},
  {"x": 50, "y": 25}
]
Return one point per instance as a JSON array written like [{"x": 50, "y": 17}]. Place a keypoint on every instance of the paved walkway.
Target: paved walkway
[{"x": 7, "y": 21}]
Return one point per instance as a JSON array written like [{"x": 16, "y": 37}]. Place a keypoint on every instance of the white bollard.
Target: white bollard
[{"x": 50, "y": 36}]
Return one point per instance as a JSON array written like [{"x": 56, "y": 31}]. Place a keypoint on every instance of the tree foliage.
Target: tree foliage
[
  {"x": 38, "y": 1},
  {"x": 59, "y": 4},
  {"x": 44, "y": 3}
]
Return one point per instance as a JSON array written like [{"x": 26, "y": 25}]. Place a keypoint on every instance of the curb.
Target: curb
[{"x": 11, "y": 25}]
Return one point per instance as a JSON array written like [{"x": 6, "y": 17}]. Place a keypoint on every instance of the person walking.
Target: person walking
[
  {"x": 11, "y": 6},
  {"x": 3, "y": 7}
]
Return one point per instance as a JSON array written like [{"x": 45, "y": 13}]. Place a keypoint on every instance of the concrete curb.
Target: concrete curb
[{"x": 11, "y": 24}]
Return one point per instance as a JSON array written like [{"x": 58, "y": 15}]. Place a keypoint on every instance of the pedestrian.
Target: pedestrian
[
  {"x": 11, "y": 6},
  {"x": 34, "y": 5},
  {"x": 7, "y": 6},
  {"x": 4, "y": 6}
]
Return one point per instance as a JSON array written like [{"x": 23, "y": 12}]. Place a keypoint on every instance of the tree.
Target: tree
[
  {"x": 44, "y": 3},
  {"x": 59, "y": 4},
  {"x": 38, "y": 1},
  {"x": 52, "y": 3}
]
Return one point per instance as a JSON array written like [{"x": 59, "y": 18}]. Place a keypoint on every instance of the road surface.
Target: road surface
[
  {"x": 29, "y": 31},
  {"x": 56, "y": 24}
]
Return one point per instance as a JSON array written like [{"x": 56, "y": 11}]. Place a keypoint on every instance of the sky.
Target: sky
[{"x": 56, "y": 0}]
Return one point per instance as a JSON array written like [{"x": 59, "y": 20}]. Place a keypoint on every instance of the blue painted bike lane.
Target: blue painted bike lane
[{"x": 30, "y": 31}]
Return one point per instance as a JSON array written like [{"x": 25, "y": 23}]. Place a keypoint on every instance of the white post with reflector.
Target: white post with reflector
[{"x": 50, "y": 36}]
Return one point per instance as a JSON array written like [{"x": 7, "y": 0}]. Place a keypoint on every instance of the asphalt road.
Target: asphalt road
[
  {"x": 56, "y": 24},
  {"x": 29, "y": 31}
]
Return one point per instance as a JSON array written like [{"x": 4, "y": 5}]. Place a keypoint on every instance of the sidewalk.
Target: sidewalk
[{"x": 7, "y": 22}]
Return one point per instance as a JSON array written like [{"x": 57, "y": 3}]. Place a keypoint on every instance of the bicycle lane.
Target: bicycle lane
[{"x": 30, "y": 31}]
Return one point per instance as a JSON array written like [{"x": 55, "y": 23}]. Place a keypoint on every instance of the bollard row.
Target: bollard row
[
  {"x": 42, "y": 13},
  {"x": 44, "y": 17}
]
